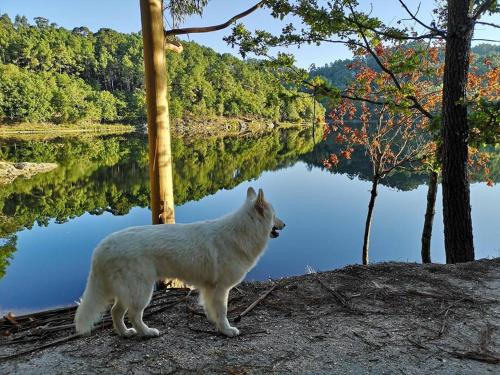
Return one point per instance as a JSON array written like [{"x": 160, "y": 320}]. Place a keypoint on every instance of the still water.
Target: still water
[{"x": 50, "y": 224}]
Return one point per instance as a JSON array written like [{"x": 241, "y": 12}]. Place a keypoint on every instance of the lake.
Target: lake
[{"x": 50, "y": 223}]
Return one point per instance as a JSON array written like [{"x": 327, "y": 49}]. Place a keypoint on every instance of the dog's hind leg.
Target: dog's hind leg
[
  {"x": 206, "y": 297},
  {"x": 118, "y": 313},
  {"x": 136, "y": 308},
  {"x": 219, "y": 305}
]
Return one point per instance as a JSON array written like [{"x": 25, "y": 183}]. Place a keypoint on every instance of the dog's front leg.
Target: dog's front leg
[{"x": 219, "y": 305}]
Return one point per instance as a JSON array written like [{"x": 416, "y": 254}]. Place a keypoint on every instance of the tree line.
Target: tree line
[
  {"x": 338, "y": 73},
  {"x": 51, "y": 74}
]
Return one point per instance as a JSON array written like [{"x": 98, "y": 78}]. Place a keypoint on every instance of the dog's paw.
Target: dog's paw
[
  {"x": 151, "y": 332},
  {"x": 230, "y": 331}
]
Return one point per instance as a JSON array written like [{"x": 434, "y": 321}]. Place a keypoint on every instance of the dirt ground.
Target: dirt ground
[{"x": 388, "y": 318}]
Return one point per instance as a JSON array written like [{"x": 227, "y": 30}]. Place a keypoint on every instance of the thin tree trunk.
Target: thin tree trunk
[
  {"x": 368, "y": 224},
  {"x": 429, "y": 217},
  {"x": 459, "y": 245},
  {"x": 160, "y": 156}
]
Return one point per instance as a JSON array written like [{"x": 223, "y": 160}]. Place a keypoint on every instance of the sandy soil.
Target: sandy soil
[{"x": 388, "y": 318}]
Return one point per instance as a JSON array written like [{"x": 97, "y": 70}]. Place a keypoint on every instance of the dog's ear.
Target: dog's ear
[
  {"x": 259, "y": 202},
  {"x": 260, "y": 196},
  {"x": 251, "y": 193}
]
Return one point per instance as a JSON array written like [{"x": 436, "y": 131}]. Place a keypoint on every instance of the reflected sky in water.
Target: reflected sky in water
[{"x": 324, "y": 213}]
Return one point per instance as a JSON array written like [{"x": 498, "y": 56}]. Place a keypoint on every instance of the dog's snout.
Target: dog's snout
[{"x": 279, "y": 224}]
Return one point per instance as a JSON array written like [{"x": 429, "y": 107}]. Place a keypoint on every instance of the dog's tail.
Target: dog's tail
[{"x": 92, "y": 305}]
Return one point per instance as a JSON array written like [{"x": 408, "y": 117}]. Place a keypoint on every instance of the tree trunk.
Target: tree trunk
[
  {"x": 160, "y": 157},
  {"x": 457, "y": 219},
  {"x": 429, "y": 217},
  {"x": 368, "y": 224}
]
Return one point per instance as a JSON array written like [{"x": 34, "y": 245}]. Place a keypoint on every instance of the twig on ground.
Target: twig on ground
[
  {"x": 338, "y": 296},
  {"x": 453, "y": 304},
  {"x": 439, "y": 296},
  {"x": 443, "y": 325},
  {"x": 417, "y": 344},
  {"x": 477, "y": 356},
  {"x": 44, "y": 346},
  {"x": 41, "y": 329},
  {"x": 255, "y": 303},
  {"x": 366, "y": 341}
]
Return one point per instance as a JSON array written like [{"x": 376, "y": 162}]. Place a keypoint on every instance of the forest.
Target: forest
[
  {"x": 52, "y": 75},
  {"x": 338, "y": 74}
]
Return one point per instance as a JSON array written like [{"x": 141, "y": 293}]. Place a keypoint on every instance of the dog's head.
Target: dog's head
[{"x": 266, "y": 210}]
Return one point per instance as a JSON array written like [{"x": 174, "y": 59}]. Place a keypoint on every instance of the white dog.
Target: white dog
[{"x": 211, "y": 255}]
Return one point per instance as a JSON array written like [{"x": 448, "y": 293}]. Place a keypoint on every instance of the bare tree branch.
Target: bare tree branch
[
  {"x": 414, "y": 17},
  {"x": 432, "y": 35},
  {"x": 207, "y": 29},
  {"x": 486, "y": 40},
  {"x": 488, "y": 24}
]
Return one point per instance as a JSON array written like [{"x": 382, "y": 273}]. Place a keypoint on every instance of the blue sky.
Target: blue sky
[{"x": 124, "y": 16}]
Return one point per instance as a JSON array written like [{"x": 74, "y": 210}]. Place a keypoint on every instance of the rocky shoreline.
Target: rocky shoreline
[{"x": 10, "y": 171}]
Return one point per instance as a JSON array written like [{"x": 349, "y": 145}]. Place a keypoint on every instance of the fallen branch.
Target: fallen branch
[
  {"x": 366, "y": 341},
  {"x": 255, "y": 303},
  {"x": 417, "y": 344},
  {"x": 40, "y": 329},
  {"x": 338, "y": 296},
  {"x": 445, "y": 310},
  {"x": 439, "y": 296},
  {"x": 65, "y": 316},
  {"x": 44, "y": 329},
  {"x": 33, "y": 317},
  {"x": 477, "y": 356},
  {"x": 443, "y": 325},
  {"x": 37, "y": 348},
  {"x": 22, "y": 340}
]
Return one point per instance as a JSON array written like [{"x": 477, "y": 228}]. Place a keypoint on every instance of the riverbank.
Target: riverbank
[
  {"x": 189, "y": 126},
  {"x": 385, "y": 318},
  {"x": 58, "y": 130}
]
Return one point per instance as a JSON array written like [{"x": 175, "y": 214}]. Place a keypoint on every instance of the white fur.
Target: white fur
[{"x": 211, "y": 255}]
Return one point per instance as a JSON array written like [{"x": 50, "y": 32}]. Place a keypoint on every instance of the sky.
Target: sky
[{"x": 124, "y": 16}]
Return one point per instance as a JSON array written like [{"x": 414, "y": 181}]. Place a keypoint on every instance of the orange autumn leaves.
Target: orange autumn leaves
[{"x": 391, "y": 127}]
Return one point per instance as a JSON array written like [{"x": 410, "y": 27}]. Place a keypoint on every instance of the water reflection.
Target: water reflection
[
  {"x": 102, "y": 186},
  {"x": 110, "y": 174}
]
